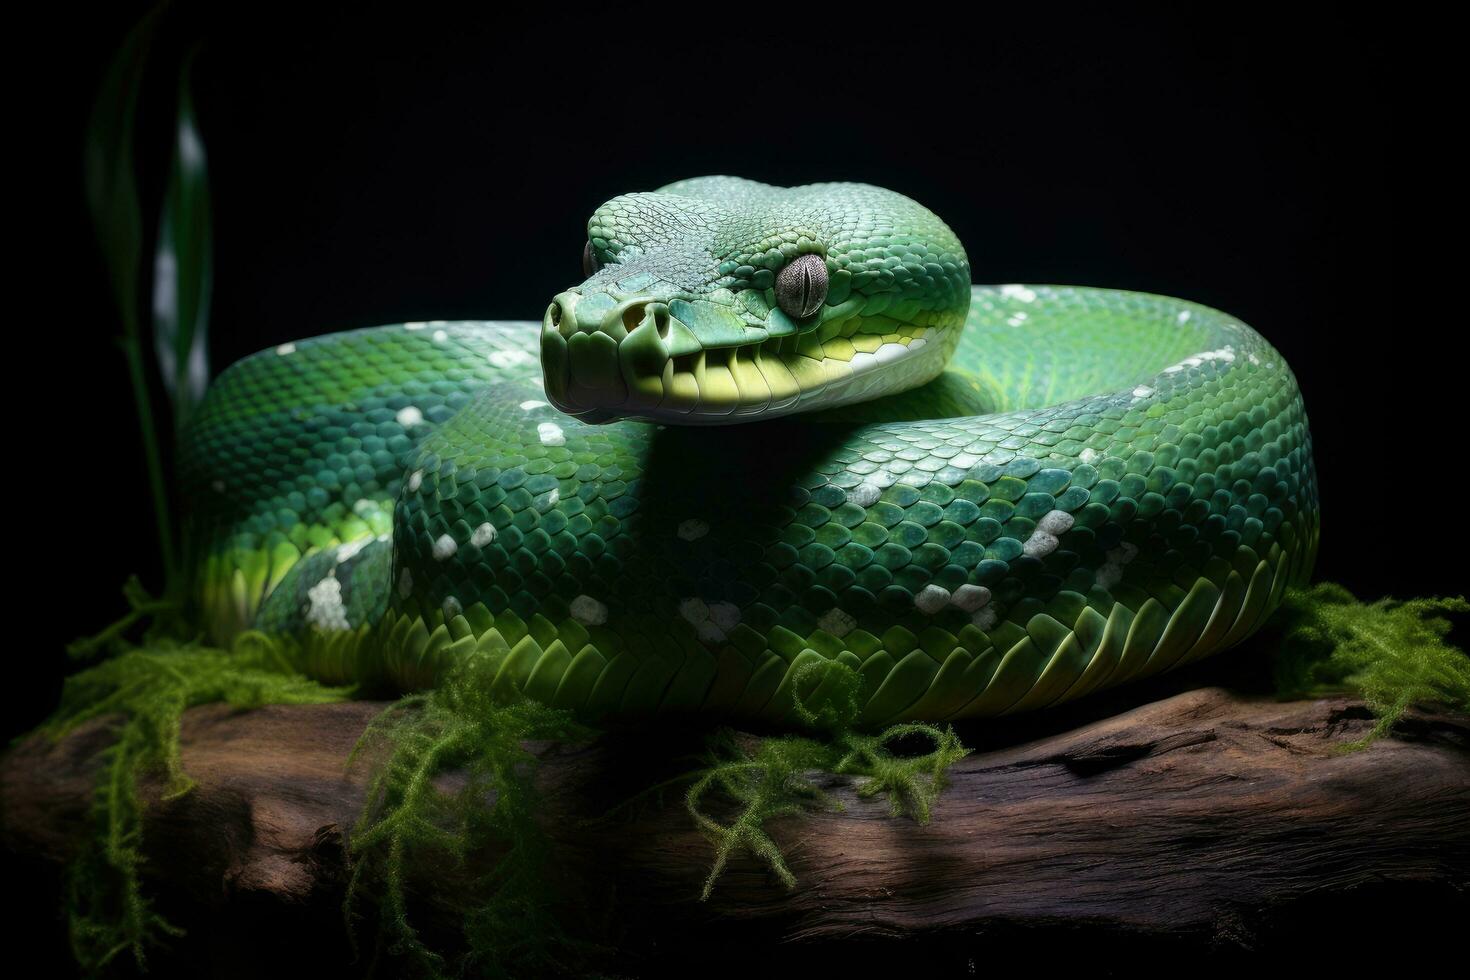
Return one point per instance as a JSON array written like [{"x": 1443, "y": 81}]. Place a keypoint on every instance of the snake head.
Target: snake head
[{"x": 720, "y": 300}]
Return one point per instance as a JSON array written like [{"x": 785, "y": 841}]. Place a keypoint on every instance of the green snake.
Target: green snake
[{"x": 982, "y": 499}]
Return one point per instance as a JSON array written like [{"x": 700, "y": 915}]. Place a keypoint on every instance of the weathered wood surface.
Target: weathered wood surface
[{"x": 1204, "y": 816}]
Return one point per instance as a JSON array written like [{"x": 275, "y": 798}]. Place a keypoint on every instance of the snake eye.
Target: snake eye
[
  {"x": 802, "y": 286},
  {"x": 589, "y": 260}
]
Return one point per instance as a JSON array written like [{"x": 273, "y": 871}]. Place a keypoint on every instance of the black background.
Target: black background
[{"x": 370, "y": 166}]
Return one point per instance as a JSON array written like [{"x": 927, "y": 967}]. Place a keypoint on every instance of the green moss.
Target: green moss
[
  {"x": 775, "y": 779},
  {"x": 148, "y": 688},
  {"x": 1393, "y": 652},
  {"x": 416, "y": 831},
  {"x": 413, "y": 830}
]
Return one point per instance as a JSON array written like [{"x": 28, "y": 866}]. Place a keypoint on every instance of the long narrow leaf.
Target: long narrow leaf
[
  {"x": 113, "y": 197},
  {"x": 112, "y": 186},
  {"x": 183, "y": 264}
]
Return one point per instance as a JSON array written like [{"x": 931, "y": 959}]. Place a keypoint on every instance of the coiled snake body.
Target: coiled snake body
[{"x": 982, "y": 499}]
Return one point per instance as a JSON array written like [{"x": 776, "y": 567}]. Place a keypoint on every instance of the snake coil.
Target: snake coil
[{"x": 982, "y": 499}]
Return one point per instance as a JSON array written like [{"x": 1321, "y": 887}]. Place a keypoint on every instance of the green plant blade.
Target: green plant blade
[
  {"x": 112, "y": 186},
  {"x": 183, "y": 263}
]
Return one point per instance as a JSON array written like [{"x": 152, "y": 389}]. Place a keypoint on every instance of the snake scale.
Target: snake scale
[{"x": 983, "y": 499}]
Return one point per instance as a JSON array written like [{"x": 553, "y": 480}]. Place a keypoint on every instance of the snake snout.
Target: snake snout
[{"x": 593, "y": 347}]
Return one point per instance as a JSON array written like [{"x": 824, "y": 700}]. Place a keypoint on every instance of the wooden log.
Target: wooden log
[{"x": 1203, "y": 817}]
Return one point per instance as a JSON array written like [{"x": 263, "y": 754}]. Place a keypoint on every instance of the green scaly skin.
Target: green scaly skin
[{"x": 1064, "y": 488}]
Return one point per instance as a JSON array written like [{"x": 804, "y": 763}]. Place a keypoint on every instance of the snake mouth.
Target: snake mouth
[
  {"x": 689, "y": 362},
  {"x": 605, "y": 357}
]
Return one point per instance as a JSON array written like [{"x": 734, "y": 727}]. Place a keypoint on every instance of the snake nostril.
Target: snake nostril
[
  {"x": 561, "y": 315},
  {"x": 636, "y": 314},
  {"x": 632, "y": 316}
]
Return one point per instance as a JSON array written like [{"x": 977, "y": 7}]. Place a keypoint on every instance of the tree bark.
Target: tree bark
[{"x": 1206, "y": 816}]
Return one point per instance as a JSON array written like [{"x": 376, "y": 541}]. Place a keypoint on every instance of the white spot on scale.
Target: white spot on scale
[
  {"x": 1019, "y": 292},
  {"x": 984, "y": 619},
  {"x": 551, "y": 434},
  {"x": 1040, "y": 544},
  {"x": 1016, "y": 319},
  {"x": 1111, "y": 573},
  {"x": 837, "y": 622},
  {"x": 930, "y": 599},
  {"x": 531, "y": 404},
  {"x": 415, "y": 480},
  {"x": 1055, "y": 522},
  {"x": 439, "y": 337},
  {"x": 725, "y": 615},
  {"x": 285, "y": 349},
  {"x": 692, "y": 529},
  {"x": 1226, "y": 354},
  {"x": 1141, "y": 392},
  {"x": 1183, "y": 316},
  {"x": 588, "y": 611},
  {"x": 483, "y": 535},
  {"x": 864, "y": 494},
  {"x": 452, "y": 607},
  {"x": 971, "y": 597},
  {"x": 694, "y": 610},
  {"x": 445, "y": 548},
  {"x": 409, "y": 416},
  {"x": 1089, "y": 455},
  {"x": 1043, "y": 540},
  {"x": 414, "y": 326},
  {"x": 324, "y": 608}
]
